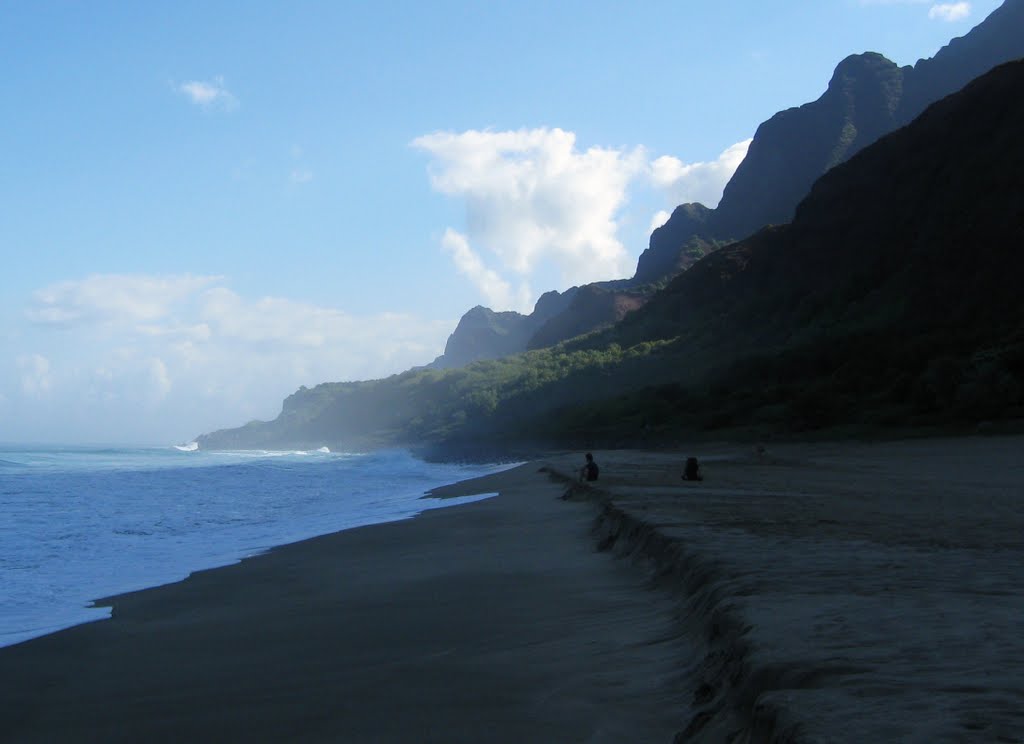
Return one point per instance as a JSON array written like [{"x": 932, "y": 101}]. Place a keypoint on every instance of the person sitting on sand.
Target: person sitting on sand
[
  {"x": 590, "y": 470},
  {"x": 692, "y": 470}
]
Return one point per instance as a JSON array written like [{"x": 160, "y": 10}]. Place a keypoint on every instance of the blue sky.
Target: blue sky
[{"x": 206, "y": 205}]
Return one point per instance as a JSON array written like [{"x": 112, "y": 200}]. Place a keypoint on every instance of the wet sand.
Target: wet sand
[{"x": 495, "y": 621}]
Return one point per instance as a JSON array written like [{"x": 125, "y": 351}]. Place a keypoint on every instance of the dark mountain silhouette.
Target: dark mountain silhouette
[
  {"x": 895, "y": 291},
  {"x": 891, "y": 300},
  {"x": 924, "y": 228},
  {"x": 868, "y": 96},
  {"x": 793, "y": 148}
]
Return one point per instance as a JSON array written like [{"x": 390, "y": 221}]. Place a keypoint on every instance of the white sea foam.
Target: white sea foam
[{"x": 190, "y": 447}]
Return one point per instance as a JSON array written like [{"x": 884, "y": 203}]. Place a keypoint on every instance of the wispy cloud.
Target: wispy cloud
[
  {"x": 177, "y": 309},
  {"x": 300, "y": 173},
  {"x": 950, "y": 12},
  {"x": 497, "y": 292},
  {"x": 193, "y": 352},
  {"x": 112, "y": 298},
  {"x": 208, "y": 93},
  {"x": 35, "y": 374}
]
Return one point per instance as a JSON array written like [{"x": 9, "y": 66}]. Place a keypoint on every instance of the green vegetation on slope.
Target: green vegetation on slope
[{"x": 891, "y": 301}]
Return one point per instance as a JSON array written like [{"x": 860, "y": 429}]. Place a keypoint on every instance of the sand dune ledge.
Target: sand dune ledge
[{"x": 842, "y": 592}]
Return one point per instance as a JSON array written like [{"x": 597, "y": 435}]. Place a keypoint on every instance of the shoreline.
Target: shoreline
[
  {"x": 491, "y": 621},
  {"x": 138, "y": 518}
]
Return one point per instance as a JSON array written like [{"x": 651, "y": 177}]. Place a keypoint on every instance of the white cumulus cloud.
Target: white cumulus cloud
[
  {"x": 532, "y": 196},
  {"x": 698, "y": 182},
  {"x": 949, "y": 12},
  {"x": 208, "y": 93}
]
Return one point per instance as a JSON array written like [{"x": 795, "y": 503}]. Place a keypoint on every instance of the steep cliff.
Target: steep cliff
[
  {"x": 485, "y": 334},
  {"x": 592, "y": 307}
]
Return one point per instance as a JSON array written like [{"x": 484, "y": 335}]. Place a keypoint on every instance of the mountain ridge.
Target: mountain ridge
[{"x": 866, "y": 97}]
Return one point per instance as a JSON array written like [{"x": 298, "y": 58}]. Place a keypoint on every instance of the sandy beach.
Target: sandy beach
[{"x": 811, "y": 593}]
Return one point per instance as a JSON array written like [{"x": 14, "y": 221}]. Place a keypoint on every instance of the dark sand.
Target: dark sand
[{"x": 490, "y": 622}]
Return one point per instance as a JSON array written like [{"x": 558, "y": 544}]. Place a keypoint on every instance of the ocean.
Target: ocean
[{"x": 83, "y": 523}]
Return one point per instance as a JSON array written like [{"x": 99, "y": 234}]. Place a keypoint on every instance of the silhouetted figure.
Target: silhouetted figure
[
  {"x": 590, "y": 470},
  {"x": 691, "y": 471}
]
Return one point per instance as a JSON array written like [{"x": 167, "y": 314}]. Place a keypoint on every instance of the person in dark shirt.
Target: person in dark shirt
[
  {"x": 590, "y": 470},
  {"x": 692, "y": 470}
]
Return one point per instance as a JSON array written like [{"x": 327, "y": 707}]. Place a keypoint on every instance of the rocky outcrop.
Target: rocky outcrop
[
  {"x": 668, "y": 253},
  {"x": 485, "y": 334}
]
